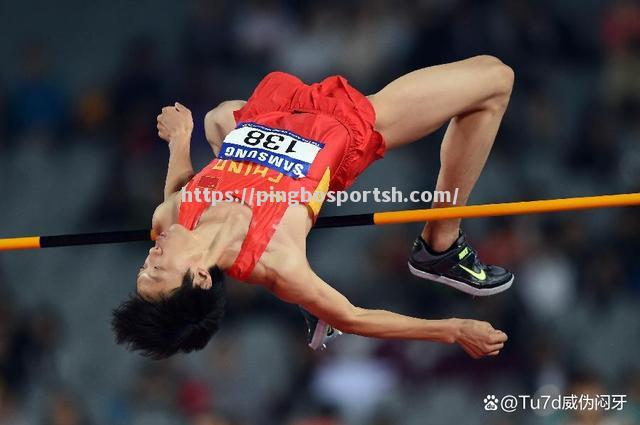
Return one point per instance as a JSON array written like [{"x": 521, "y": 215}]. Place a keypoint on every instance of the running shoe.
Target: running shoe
[
  {"x": 458, "y": 267},
  {"x": 319, "y": 333}
]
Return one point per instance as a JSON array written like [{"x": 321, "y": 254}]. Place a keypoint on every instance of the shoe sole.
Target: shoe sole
[
  {"x": 461, "y": 286},
  {"x": 318, "y": 335}
]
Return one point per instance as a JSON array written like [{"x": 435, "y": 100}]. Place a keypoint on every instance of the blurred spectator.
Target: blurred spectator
[
  {"x": 621, "y": 25},
  {"x": 64, "y": 409},
  {"x": 596, "y": 148},
  {"x": 353, "y": 379},
  {"x": 589, "y": 385},
  {"x": 621, "y": 34},
  {"x": 10, "y": 413},
  {"x": 14, "y": 341},
  {"x": 155, "y": 395},
  {"x": 631, "y": 414},
  {"x": 36, "y": 103},
  {"x": 116, "y": 205},
  {"x": 314, "y": 49},
  {"x": 528, "y": 29},
  {"x": 377, "y": 41},
  {"x": 137, "y": 97},
  {"x": 433, "y": 41},
  {"x": 194, "y": 398},
  {"x": 92, "y": 111},
  {"x": 207, "y": 39},
  {"x": 259, "y": 29},
  {"x": 547, "y": 282}
]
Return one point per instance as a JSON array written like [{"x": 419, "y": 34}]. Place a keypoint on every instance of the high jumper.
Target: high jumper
[{"x": 292, "y": 136}]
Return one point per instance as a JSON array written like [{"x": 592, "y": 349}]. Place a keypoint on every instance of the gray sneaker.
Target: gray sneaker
[{"x": 458, "y": 267}]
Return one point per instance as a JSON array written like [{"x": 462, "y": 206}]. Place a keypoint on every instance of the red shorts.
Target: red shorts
[
  {"x": 331, "y": 111},
  {"x": 331, "y": 128}
]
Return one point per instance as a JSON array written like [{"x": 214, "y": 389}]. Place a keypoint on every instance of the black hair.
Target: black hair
[{"x": 183, "y": 321}]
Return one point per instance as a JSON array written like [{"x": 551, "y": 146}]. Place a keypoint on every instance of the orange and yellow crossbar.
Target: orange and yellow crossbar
[
  {"x": 510, "y": 208},
  {"x": 391, "y": 217},
  {"x": 29, "y": 242}
]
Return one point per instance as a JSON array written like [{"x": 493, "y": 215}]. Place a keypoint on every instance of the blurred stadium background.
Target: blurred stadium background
[{"x": 81, "y": 84}]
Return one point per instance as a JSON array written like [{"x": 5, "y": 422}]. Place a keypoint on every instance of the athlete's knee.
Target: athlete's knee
[
  {"x": 504, "y": 78},
  {"x": 486, "y": 60},
  {"x": 499, "y": 77}
]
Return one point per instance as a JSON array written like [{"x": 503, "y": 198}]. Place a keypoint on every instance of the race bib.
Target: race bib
[{"x": 280, "y": 150}]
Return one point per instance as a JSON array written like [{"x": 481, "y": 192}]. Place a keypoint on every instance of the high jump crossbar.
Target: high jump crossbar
[{"x": 374, "y": 218}]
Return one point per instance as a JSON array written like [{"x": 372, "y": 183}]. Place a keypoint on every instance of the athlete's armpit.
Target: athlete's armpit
[
  {"x": 165, "y": 214},
  {"x": 220, "y": 121}
]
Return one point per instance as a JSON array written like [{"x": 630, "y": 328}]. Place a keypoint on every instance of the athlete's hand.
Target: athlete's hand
[
  {"x": 479, "y": 339},
  {"x": 175, "y": 124}
]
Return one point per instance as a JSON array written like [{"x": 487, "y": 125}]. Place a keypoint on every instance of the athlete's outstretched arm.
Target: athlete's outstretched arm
[
  {"x": 312, "y": 293},
  {"x": 220, "y": 121},
  {"x": 175, "y": 126}
]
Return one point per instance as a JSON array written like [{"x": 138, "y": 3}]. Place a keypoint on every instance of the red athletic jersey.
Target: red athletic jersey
[{"x": 289, "y": 136}]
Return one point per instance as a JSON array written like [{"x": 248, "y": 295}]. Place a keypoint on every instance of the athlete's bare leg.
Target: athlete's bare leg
[{"x": 472, "y": 95}]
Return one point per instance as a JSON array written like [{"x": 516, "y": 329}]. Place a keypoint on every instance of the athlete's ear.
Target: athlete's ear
[{"x": 202, "y": 279}]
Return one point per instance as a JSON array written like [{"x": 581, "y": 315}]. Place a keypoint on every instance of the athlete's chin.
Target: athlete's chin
[
  {"x": 141, "y": 290},
  {"x": 147, "y": 290}
]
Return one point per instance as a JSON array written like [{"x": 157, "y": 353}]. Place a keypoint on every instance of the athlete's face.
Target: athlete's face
[{"x": 168, "y": 262}]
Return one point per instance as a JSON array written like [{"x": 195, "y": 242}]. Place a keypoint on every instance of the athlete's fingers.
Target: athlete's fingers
[
  {"x": 162, "y": 118},
  {"x": 498, "y": 336},
  {"x": 495, "y": 347},
  {"x": 181, "y": 108},
  {"x": 494, "y": 353}
]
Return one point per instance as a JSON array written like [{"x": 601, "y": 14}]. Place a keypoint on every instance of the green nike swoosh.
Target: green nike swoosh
[{"x": 480, "y": 276}]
